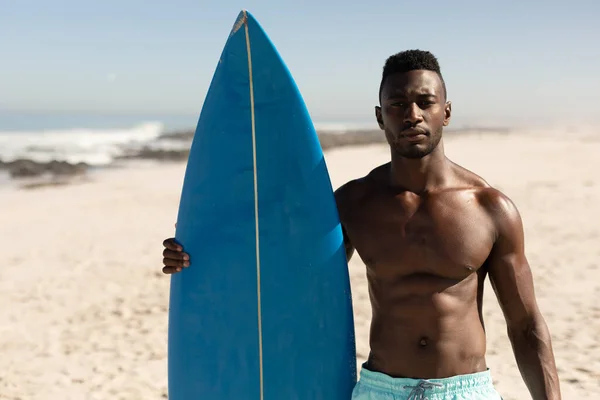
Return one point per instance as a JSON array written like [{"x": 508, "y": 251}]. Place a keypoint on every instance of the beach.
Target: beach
[{"x": 85, "y": 303}]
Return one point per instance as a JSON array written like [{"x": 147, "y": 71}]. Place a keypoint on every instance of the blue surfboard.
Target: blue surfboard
[{"x": 264, "y": 311}]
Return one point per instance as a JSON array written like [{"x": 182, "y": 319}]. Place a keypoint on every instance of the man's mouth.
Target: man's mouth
[
  {"x": 413, "y": 132},
  {"x": 413, "y": 135}
]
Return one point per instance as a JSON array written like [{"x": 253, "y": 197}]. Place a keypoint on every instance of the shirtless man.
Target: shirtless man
[{"x": 429, "y": 232}]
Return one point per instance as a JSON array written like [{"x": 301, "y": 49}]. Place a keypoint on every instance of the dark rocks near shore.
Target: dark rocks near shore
[
  {"x": 328, "y": 141},
  {"x": 27, "y": 168},
  {"x": 186, "y": 135},
  {"x": 352, "y": 138},
  {"x": 147, "y": 153}
]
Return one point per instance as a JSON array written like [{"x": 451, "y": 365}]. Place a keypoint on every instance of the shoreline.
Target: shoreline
[{"x": 30, "y": 174}]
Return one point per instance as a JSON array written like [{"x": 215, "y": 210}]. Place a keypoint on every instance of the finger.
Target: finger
[
  {"x": 170, "y": 270},
  {"x": 175, "y": 255},
  {"x": 171, "y": 244},
  {"x": 169, "y": 262}
]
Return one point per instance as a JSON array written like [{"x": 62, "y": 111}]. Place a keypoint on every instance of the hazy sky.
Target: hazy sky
[{"x": 515, "y": 61}]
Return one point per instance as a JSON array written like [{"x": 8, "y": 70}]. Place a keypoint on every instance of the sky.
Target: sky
[{"x": 504, "y": 62}]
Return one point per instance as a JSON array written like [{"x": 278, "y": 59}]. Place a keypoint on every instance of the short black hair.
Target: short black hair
[{"x": 410, "y": 60}]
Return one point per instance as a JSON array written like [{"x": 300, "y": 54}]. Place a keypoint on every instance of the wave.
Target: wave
[{"x": 95, "y": 147}]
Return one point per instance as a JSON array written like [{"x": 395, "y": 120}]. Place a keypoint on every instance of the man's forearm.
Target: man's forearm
[{"x": 533, "y": 351}]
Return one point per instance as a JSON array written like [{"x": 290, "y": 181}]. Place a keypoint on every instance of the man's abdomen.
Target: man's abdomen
[{"x": 431, "y": 336}]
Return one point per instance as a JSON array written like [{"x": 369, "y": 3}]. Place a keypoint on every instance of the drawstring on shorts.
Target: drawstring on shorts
[{"x": 418, "y": 391}]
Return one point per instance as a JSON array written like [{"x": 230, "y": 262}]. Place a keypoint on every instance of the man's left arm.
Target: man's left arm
[{"x": 512, "y": 281}]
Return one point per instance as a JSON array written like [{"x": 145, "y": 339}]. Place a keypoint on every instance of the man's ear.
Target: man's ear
[
  {"x": 447, "y": 113},
  {"x": 378, "y": 117}
]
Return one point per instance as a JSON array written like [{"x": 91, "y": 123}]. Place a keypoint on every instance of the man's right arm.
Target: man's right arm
[
  {"x": 342, "y": 200},
  {"x": 347, "y": 245},
  {"x": 174, "y": 259}
]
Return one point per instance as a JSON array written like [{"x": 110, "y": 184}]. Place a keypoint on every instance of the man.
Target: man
[{"x": 429, "y": 232}]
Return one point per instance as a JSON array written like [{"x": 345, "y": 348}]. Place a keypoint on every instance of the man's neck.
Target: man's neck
[{"x": 420, "y": 175}]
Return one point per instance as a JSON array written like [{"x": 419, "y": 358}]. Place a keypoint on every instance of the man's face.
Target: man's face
[{"x": 413, "y": 112}]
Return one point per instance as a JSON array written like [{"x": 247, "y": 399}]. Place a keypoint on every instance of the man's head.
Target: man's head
[{"x": 413, "y": 108}]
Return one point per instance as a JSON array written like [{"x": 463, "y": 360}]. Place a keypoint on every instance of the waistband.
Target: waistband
[{"x": 446, "y": 386}]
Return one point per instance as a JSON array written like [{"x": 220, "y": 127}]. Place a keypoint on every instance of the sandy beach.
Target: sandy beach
[{"x": 84, "y": 303}]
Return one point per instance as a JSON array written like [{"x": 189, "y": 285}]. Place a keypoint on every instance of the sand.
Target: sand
[{"x": 84, "y": 304}]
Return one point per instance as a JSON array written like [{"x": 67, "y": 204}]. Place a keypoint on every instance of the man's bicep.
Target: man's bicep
[
  {"x": 347, "y": 244},
  {"x": 342, "y": 198},
  {"x": 508, "y": 268}
]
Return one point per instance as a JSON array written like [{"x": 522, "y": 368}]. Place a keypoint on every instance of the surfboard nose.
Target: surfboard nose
[
  {"x": 241, "y": 19},
  {"x": 244, "y": 18}
]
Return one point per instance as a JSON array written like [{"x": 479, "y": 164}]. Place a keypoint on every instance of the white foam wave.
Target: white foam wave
[{"x": 92, "y": 146}]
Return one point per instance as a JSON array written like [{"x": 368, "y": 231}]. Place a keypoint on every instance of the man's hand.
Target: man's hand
[{"x": 174, "y": 259}]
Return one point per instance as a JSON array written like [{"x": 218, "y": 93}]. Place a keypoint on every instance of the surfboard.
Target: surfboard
[{"x": 264, "y": 311}]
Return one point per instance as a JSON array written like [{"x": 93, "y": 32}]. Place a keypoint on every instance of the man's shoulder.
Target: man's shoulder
[
  {"x": 499, "y": 206},
  {"x": 356, "y": 190},
  {"x": 496, "y": 203},
  {"x": 352, "y": 191},
  {"x": 502, "y": 211}
]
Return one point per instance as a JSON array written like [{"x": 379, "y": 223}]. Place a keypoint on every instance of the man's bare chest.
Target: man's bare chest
[{"x": 442, "y": 235}]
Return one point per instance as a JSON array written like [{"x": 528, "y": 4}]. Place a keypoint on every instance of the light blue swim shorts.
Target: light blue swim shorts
[{"x": 378, "y": 386}]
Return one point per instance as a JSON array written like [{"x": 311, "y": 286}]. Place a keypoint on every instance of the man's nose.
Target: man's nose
[{"x": 412, "y": 114}]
